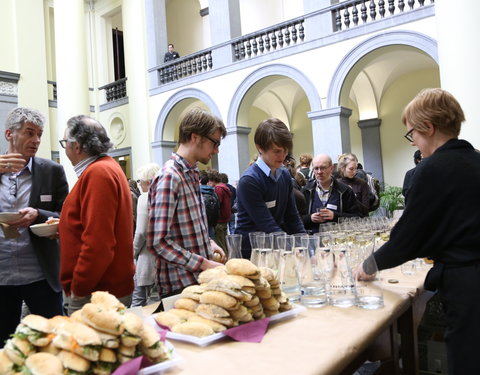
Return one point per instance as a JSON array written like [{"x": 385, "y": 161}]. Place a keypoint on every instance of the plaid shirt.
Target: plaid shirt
[{"x": 177, "y": 227}]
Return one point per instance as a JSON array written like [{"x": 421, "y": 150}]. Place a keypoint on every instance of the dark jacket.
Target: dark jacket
[
  {"x": 169, "y": 56},
  {"x": 341, "y": 196},
  {"x": 361, "y": 190}
]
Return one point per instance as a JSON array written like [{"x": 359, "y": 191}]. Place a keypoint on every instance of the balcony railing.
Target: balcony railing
[
  {"x": 270, "y": 39},
  {"x": 186, "y": 66},
  {"x": 349, "y": 13},
  {"x": 115, "y": 90}
]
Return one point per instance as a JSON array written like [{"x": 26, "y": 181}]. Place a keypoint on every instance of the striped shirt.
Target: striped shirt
[{"x": 177, "y": 225}]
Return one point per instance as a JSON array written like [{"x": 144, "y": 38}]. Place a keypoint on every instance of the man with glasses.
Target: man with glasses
[
  {"x": 327, "y": 198},
  {"x": 36, "y": 189},
  {"x": 96, "y": 224},
  {"x": 178, "y": 230}
]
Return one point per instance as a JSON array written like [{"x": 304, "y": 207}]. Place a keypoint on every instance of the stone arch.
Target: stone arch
[
  {"x": 188, "y": 93},
  {"x": 275, "y": 69},
  {"x": 409, "y": 38}
]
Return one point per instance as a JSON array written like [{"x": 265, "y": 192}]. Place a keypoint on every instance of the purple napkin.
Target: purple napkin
[
  {"x": 133, "y": 366},
  {"x": 249, "y": 332},
  {"x": 161, "y": 329}
]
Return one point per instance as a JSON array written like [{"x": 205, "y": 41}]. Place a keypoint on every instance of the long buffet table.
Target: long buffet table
[{"x": 329, "y": 340}]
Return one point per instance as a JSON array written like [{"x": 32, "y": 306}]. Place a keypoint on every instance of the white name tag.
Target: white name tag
[
  {"x": 45, "y": 198},
  {"x": 271, "y": 204},
  {"x": 332, "y": 206}
]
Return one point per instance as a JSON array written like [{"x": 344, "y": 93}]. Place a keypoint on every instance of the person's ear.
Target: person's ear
[
  {"x": 8, "y": 134},
  {"x": 430, "y": 128}
]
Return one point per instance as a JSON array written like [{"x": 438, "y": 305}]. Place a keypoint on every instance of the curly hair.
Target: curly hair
[
  {"x": 89, "y": 133},
  {"x": 200, "y": 122}
]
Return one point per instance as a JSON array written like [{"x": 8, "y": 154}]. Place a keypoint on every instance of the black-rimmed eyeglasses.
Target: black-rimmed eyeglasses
[
  {"x": 408, "y": 135},
  {"x": 216, "y": 144},
  {"x": 63, "y": 142}
]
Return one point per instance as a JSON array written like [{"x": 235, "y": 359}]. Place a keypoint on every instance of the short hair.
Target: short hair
[
  {"x": 21, "y": 115},
  {"x": 170, "y": 44},
  {"x": 214, "y": 175},
  {"x": 203, "y": 177},
  {"x": 273, "y": 132},
  {"x": 343, "y": 162},
  {"x": 148, "y": 171},
  {"x": 198, "y": 121},
  {"x": 417, "y": 157},
  {"x": 89, "y": 133},
  {"x": 305, "y": 159},
  {"x": 224, "y": 178},
  {"x": 437, "y": 106}
]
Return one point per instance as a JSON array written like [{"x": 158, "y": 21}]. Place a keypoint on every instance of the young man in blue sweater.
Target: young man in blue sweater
[{"x": 265, "y": 193}]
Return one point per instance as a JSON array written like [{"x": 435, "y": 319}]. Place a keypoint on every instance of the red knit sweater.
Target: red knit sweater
[{"x": 96, "y": 239}]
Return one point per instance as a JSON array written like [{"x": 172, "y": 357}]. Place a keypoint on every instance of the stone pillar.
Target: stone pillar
[
  {"x": 320, "y": 24},
  {"x": 459, "y": 57},
  {"x": 156, "y": 29},
  {"x": 162, "y": 150},
  {"x": 71, "y": 65},
  {"x": 331, "y": 132},
  {"x": 234, "y": 154},
  {"x": 135, "y": 62},
  {"x": 372, "y": 148}
]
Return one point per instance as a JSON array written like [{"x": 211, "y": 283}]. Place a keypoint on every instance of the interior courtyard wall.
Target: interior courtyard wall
[
  {"x": 301, "y": 127},
  {"x": 397, "y": 152}
]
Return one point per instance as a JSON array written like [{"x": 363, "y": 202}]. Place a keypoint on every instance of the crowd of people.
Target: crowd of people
[{"x": 183, "y": 215}]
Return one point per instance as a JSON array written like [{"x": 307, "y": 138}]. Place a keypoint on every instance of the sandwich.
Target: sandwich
[
  {"x": 227, "y": 286},
  {"x": 211, "y": 273},
  {"x": 217, "y": 327},
  {"x": 7, "y": 366},
  {"x": 186, "y": 303},
  {"x": 18, "y": 350},
  {"x": 106, "y": 364},
  {"x": 109, "y": 341},
  {"x": 216, "y": 313},
  {"x": 58, "y": 321},
  {"x": 126, "y": 353},
  {"x": 79, "y": 339},
  {"x": 50, "y": 348},
  {"x": 167, "y": 319},
  {"x": 132, "y": 329},
  {"x": 73, "y": 364},
  {"x": 221, "y": 299},
  {"x": 182, "y": 313},
  {"x": 242, "y": 267},
  {"x": 151, "y": 345},
  {"x": 193, "y": 328},
  {"x": 43, "y": 364},
  {"x": 246, "y": 284},
  {"x": 193, "y": 292},
  {"x": 36, "y": 329},
  {"x": 102, "y": 318},
  {"x": 108, "y": 301}
]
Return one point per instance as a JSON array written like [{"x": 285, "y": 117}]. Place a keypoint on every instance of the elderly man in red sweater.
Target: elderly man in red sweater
[{"x": 96, "y": 227}]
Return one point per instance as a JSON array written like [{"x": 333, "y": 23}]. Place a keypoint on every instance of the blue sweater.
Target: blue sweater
[{"x": 265, "y": 205}]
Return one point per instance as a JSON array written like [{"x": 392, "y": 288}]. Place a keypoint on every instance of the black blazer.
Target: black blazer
[{"x": 49, "y": 189}]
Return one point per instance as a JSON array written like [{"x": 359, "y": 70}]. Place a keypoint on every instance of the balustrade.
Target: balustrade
[
  {"x": 115, "y": 90},
  {"x": 268, "y": 40},
  {"x": 349, "y": 13},
  {"x": 186, "y": 66}
]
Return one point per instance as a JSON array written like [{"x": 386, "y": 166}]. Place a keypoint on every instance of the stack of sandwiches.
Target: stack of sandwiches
[
  {"x": 227, "y": 296},
  {"x": 94, "y": 340}
]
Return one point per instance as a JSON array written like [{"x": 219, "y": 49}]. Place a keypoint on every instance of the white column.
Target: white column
[
  {"x": 234, "y": 155},
  {"x": 134, "y": 40},
  {"x": 71, "y": 64},
  {"x": 225, "y": 21},
  {"x": 459, "y": 56}
]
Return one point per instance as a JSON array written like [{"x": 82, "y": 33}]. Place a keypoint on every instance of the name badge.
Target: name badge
[
  {"x": 271, "y": 204},
  {"x": 45, "y": 198},
  {"x": 332, "y": 206}
]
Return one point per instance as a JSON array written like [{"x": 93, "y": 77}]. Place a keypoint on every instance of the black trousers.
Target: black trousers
[
  {"x": 40, "y": 298},
  {"x": 459, "y": 291}
]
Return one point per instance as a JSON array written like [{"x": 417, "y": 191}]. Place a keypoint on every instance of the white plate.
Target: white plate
[
  {"x": 44, "y": 229},
  {"x": 163, "y": 366},
  {"x": 8, "y": 217},
  {"x": 204, "y": 341}
]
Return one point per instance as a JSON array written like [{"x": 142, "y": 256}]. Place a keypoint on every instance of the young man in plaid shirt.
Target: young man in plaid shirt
[{"x": 177, "y": 230}]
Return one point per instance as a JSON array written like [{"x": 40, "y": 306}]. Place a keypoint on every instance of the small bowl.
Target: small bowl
[
  {"x": 44, "y": 229},
  {"x": 8, "y": 217}
]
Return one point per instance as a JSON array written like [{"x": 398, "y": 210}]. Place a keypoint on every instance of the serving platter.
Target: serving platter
[
  {"x": 207, "y": 340},
  {"x": 161, "y": 367}
]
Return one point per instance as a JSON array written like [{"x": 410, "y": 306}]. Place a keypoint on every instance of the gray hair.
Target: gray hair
[
  {"x": 148, "y": 171},
  {"x": 20, "y": 115},
  {"x": 89, "y": 133}
]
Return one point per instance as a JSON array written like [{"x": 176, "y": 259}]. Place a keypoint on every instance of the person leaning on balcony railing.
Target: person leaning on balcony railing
[{"x": 171, "y": 54}]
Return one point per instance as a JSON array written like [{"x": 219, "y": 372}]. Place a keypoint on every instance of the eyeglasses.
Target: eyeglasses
[
  {"x": 216, "y": 144},
  {"x": 63, "y": 142},
  {"x": 321, "y": 169},
  {"x": 408, "y": 135}
]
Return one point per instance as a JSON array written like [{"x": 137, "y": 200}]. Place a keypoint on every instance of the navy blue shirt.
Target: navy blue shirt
[{"x": 266, "y": 204}]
